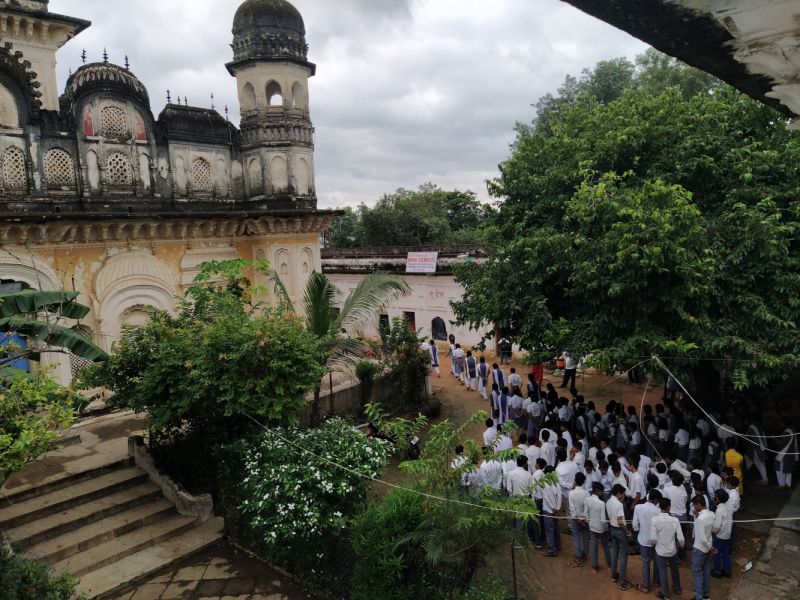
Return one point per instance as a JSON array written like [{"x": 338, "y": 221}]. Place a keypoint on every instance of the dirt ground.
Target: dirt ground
[{"x": 540, "y": 577}]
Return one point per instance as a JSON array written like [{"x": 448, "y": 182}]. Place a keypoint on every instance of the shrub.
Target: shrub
[
  {"x": 293, "y": 505},
  {"x": 408, "y": 364},
  {"x": 384, "y": 570},
  {"x": 24, "y": 579},
  {"x": 365, "y": 371}
]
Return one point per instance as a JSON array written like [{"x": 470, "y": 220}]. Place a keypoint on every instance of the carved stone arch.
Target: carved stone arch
[
  {"x": 283, "y": 266},
  {"x": 9, "y": 112},
  {"x": 23, "y": 85},
  {"x": 127, "y": 304},
  {"x": 274, "y": 94},
  {"x": 29, "y": 268},
  {"x": 298, "y": 95},
  {"x": 137, "y": 265},
  {"x": 248, "y": 97}
]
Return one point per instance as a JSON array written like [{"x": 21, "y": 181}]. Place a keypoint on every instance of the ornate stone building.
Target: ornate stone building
[{"x": 99, "y": 195}]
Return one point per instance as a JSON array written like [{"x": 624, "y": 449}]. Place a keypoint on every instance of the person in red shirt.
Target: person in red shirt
[{"x": 538, "y": 372}]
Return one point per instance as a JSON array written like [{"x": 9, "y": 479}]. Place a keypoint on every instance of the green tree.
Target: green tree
[
  {"x": 425, "y": 217},
  {"x": 199, "y": 375},
  {"x": 656, "y": 71},
  {"x": 651, "y": 225},
  {"x": 327, "y": 313}
]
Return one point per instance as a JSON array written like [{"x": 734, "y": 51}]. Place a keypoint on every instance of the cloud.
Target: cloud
[{"x": 407, "y": 91}]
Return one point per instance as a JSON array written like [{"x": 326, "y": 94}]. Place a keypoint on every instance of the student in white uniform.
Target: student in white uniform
[
  {"x": 666, "y": 537},
  {"x": 723, "y": 526},
  {"x": 490, "y": 433},
  {"x": 458, "y": 356},
  {"x": 483, "y": 377},
  {"x": 548, "y": 449},
  {"x": 620, "y": 537},
  {"x": 703, "y": 543},
  {"x": 642, "y": 518},
  {"x": 598, "y": 525},
  {"x": 580, "y": 523},
  {"x": 551, "y": 507},
  {"x": 433, "y": 349}
]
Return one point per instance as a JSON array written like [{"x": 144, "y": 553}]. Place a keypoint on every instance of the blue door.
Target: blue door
[{"x": 9, "y": 338}]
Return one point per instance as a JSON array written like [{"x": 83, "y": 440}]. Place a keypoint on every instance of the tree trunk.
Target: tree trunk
[
  {"x": 707, "y": 382},
  {"x": 315, "y": 416}
]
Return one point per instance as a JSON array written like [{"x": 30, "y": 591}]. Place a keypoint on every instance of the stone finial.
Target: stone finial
[
  {"x": 226, "y": 112},
  {"x": 169, "y": 100},
  {"x": 185, "y": 101},
  {"x": 127, "y": 64},
  {"x": 179, "y": 99},
  {"x": 105, "y": 56},
  {"x": 83, "y": 56},
  {"x": 212, "y": 101}
]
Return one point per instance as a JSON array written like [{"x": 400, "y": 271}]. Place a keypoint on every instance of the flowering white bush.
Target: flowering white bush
[{"x": 292, "y": 496}]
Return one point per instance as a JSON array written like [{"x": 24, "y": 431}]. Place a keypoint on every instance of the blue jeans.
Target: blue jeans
[
  {"x": 536, "y": 526},
  {"x": 619, "y": 551},
  {"x": 649, "y": 556},
  {"x": 701, "y": 572},
  {"x": 605, "y": 542},
  {"x": 722, "y": 559},
  {"x": 580, "y": 532},
  {"x": 552, "y": 532},
  {"x": 667, "y": 564}
]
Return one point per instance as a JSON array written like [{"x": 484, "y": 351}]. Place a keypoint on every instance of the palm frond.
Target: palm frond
[
  {"x": 280, "y": 289},
  {"x": 319, "y": 305},
  {"x": 375, "y": 292}
]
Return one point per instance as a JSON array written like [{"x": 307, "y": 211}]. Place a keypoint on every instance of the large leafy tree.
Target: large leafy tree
[
  {"x": 327, "y": 312},
  {"x": 661, "y": 225},
  {"x": 426, "y": 216}
]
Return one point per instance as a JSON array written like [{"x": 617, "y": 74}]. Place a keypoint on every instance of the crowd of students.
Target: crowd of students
[{"x": 663, "y": 487}]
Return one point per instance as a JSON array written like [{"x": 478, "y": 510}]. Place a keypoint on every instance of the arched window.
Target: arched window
[
  {"x": 254, "y": 175},
  {"x": 298, "y": 95},
  {"x": 118, "y": 170},
  {"x": 113, "y": 122},
  {"x": 14, "y": 177},
  {"x": 202, "y": 179},
  {"x": 248, "y": 97},
  {"x": 59, "y": 169},
  {"x": 274, "y": 94}
]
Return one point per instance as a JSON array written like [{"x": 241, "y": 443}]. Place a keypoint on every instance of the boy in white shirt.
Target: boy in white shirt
[
  {"x": 580, "y": 524},
  {"x": 676, "y": 492},
  {"x": 548, "y": 449},
  {"x": 701, "y": 551},
  {"x": 598, "y": 525},
  {"x": 723, "y": 526},
  {"x": 643, "y": 515},
  {"x": 536, "y": 528},
  {"x": 665, "y": 530},
  {"x": 636, "y": 487},
  {"x": 592, "y": 475},
  {"x": 551, "y": 507},
  {"x": 607, "y": 479},
  {"x": 490, "y": 433},
  {"x": 620, "y": 537},
  {"x": 578, "y": 457},
  {"x": 713, "y": 480}
]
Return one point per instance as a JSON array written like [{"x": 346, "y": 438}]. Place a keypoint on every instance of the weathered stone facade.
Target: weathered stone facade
[{"x": 99, "y": 195}]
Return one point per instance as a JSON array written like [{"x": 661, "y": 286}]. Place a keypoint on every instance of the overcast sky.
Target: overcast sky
[{"x": 407, "y": 91}]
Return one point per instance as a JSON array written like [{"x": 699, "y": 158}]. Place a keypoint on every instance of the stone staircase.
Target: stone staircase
[{"x": 110, "y": 526}]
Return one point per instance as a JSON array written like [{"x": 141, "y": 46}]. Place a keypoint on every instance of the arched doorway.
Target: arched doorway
[{"x": 439, "y": 330}]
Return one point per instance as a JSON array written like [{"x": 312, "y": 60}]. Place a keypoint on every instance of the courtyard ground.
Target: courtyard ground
[{"x": 540, "y": 577}]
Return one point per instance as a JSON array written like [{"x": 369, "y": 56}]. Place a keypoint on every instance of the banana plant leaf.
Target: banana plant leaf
[
  {"x": 54, "y": 335},
  {"x": 34, "y": 301},
  {"x": 79, "y": 403}
]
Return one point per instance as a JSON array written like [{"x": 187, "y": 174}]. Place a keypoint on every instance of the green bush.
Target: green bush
[
  {"x": 365, "y": 371},
  {"x": 384, "y": 570},
  {"x": 24, "y": 579},
  {"x": 408, "y": 364},
  {"x": 295, "y": 506}
]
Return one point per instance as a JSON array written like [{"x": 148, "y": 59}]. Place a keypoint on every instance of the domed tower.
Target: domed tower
[{"x": 272, "y": 71}]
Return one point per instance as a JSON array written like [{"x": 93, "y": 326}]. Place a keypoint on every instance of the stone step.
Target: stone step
[
  {"x": 82, "y": 515},
  {"x": 114, "y": 550},
  {"x": 102, "y": 531},
  {"x": 63, "y": 480},
  {"x": 118, "y": 576},
  {"x": 74, "y": 495}
]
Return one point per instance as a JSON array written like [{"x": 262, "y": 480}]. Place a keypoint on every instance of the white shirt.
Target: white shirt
[
  {"x": 537, "y": 492},
  {"x": 579, "y": 459},
  {"x": 678, "y": 496},
  {"x": 514, "y": 380},
  {"x": 549, "y": 453},
  {"x": 519, "y": 480},
  {"x": 596, "y": 514},
  {"x": 682, "y": 437},
  {"x": 489, "y": 435},
  {"x": 703, "y": 526},
  {"x": 565, "y": 413},
  {"x": 577, "y": 503},
  {"x": 590, "y": 479},
  {"x": 636, "y": 485},
  {"x": 607, "y": 480},
  {"x": 570, "y": 362},
  {"x": 643, "y": 515},
  {"x": 533, "y": 453},
  {"x": 615, "y": 510},
  {"x": 551, "y": 498},
  {"x": 490, "y": 474},
  {"x": 567, "y": 436},
  {"x": 459, "y": 353},
  {"x": 723, "y": 522},
  {"x": 505, "y": 444},
  {"x": 644, "y": 463},
  {"x": 713, "y": 483},
  {"x": 664, "y": 529},
  {"x": 566, "y": 476},
  {"x": 733, "y": 499}
]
